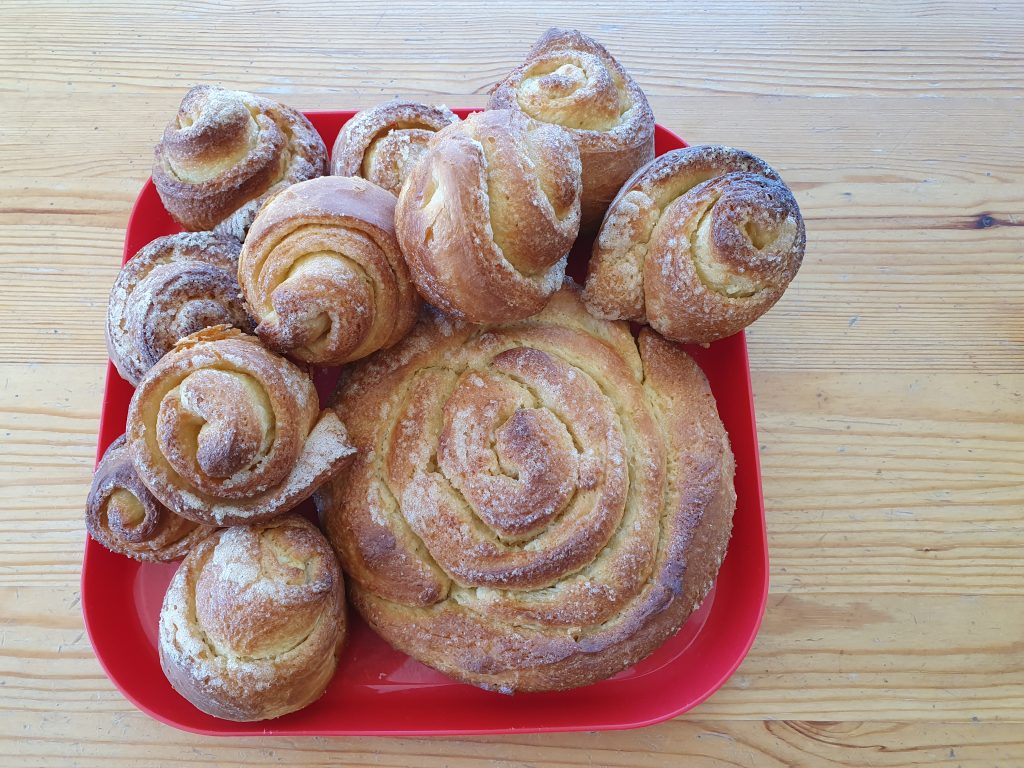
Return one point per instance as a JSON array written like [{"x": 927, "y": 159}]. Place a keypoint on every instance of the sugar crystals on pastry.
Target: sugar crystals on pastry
[
  {"x": 223, "y": 431},
  {"x": 123, "y": 516},
  {"x": 699, "y": 243},
  {"x": 383, "y": 143},
  {"x": 533, "y": 505},
  {"x": 226, "y": 151},
  {"x": 571, "y": 80},
  {"x": 322, "y": 272},
  {"x": 253, "y": 621},
  {"x": 174, "y": 286},
  {"x": 487, "y": 216}
]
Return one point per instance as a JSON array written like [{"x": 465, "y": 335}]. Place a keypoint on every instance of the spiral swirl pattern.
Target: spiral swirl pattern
[
  {"x": 123, "y": 516},
  {"x": 571, "y": 80},
  {"x": 699, "y": 243},
  {"x": 533, "y": 505},
  {"x": 226, "y": 152},
  {"x": 488, "y": 215},
  {"x": 253, "y": 620},
  {"x": 322, "y": 271},
  {"x": 383, "y": 143},
  {"x": 173, "y": 287},
  {"x": 223, "y": 431}
]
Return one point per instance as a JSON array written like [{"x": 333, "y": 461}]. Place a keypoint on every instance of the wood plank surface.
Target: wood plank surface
[{"x": 889, "y": 380}]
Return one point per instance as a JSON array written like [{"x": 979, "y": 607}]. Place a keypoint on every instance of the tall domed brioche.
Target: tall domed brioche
[
  {"x": 487, "y": 216},
  {"x": 571, "y": 80}
]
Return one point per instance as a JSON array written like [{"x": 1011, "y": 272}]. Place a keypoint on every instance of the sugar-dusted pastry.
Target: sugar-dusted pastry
[
  {"x": 488, "y": 215},
  {"x": 226, "y": 151},
  {"x": 534, "y": 505},
  {"x": 322, "y": 272},
  {"x": 571, "y": 80},
  {"x": 123, "y": 516},
  {"x": 173, "y": 287},
  {"x": 699, "y": 243},
  {"x": 223, "y": 431},
  {"x": 383, "y": 143},
  {"x": 253, "y": 620}
]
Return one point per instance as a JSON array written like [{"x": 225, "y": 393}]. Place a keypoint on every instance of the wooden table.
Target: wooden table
[{"x": 889, "y": 379}]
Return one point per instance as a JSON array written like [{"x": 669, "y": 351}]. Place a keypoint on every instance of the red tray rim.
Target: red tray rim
[{"x": 259, "y": 729}]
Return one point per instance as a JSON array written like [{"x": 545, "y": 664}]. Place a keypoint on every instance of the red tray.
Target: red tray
[{"x": 379, "y": 691}]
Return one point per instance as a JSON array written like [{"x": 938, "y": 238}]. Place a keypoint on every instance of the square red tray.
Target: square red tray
[{"x": 379, "y": 691}]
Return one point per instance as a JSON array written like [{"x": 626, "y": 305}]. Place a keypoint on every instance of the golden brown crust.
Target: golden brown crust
[
  {"x": 533, "y": 505},
  {"x": 699, "y": 243},
  {"x": 226, "y": 152},
  {"x": 571, "y": 80},
  {"x": 253, "y": 621},
  {"x": 123, "y": 516},
  {"x": 223, "y": 431},
  {"x": 383, "y": 143},
  {"x": 488, "y": 215},
  {"x": 174, "y": 286},
  {"x": 322, "y": 272}
]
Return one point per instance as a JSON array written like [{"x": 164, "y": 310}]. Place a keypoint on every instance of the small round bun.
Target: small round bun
[
  {"x": 223, "y": 431},
  {"x": 488, "y": 215},
  {"x": 699, "y": 243},
  {"x": 123, "y": 516},
  {"x": 571, "y": 80},
  {"x": 226, "y": 151},
  {"x": 322, "y": 272},
  {"x": 253, "y": 621},
  {"x": 173, "y": 287},
  {"x": 383, "y": 143}
]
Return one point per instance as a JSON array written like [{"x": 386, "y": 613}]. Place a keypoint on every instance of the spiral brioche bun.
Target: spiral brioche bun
[
  {"x": 174, "y": 286},
  {"x": 253, "y": 621},
  {"x": 533, "y": 505},
  {"x": 383, "y": 143},
  {"x": 223, "y": 431},
  {"x": 487, "y": 216},
  {"x": 571, "y": 80},
  {"x": 226, "y": 152},
  {"x": 123, "y": 516},
  {"x": 699, "y": 243},
  {"x": 322, "y": 272}
]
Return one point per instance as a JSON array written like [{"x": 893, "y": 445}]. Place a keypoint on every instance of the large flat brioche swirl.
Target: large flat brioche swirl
[
  {"x": 571, "y": 80},
  {"x": 223, "y": 431},
  {"x": 322, "y": 272},
  {"x": 226, "y": 151},
  {"x": 535, "y": 505},
  {"x": 383, "y": 143},
  {"x": 253, "y": 621},
  {"x": 699, "y": 243},
  {"x": 487, "y": 216}
]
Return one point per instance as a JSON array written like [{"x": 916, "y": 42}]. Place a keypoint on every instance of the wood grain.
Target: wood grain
[{"x": 889, "y": 380}]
